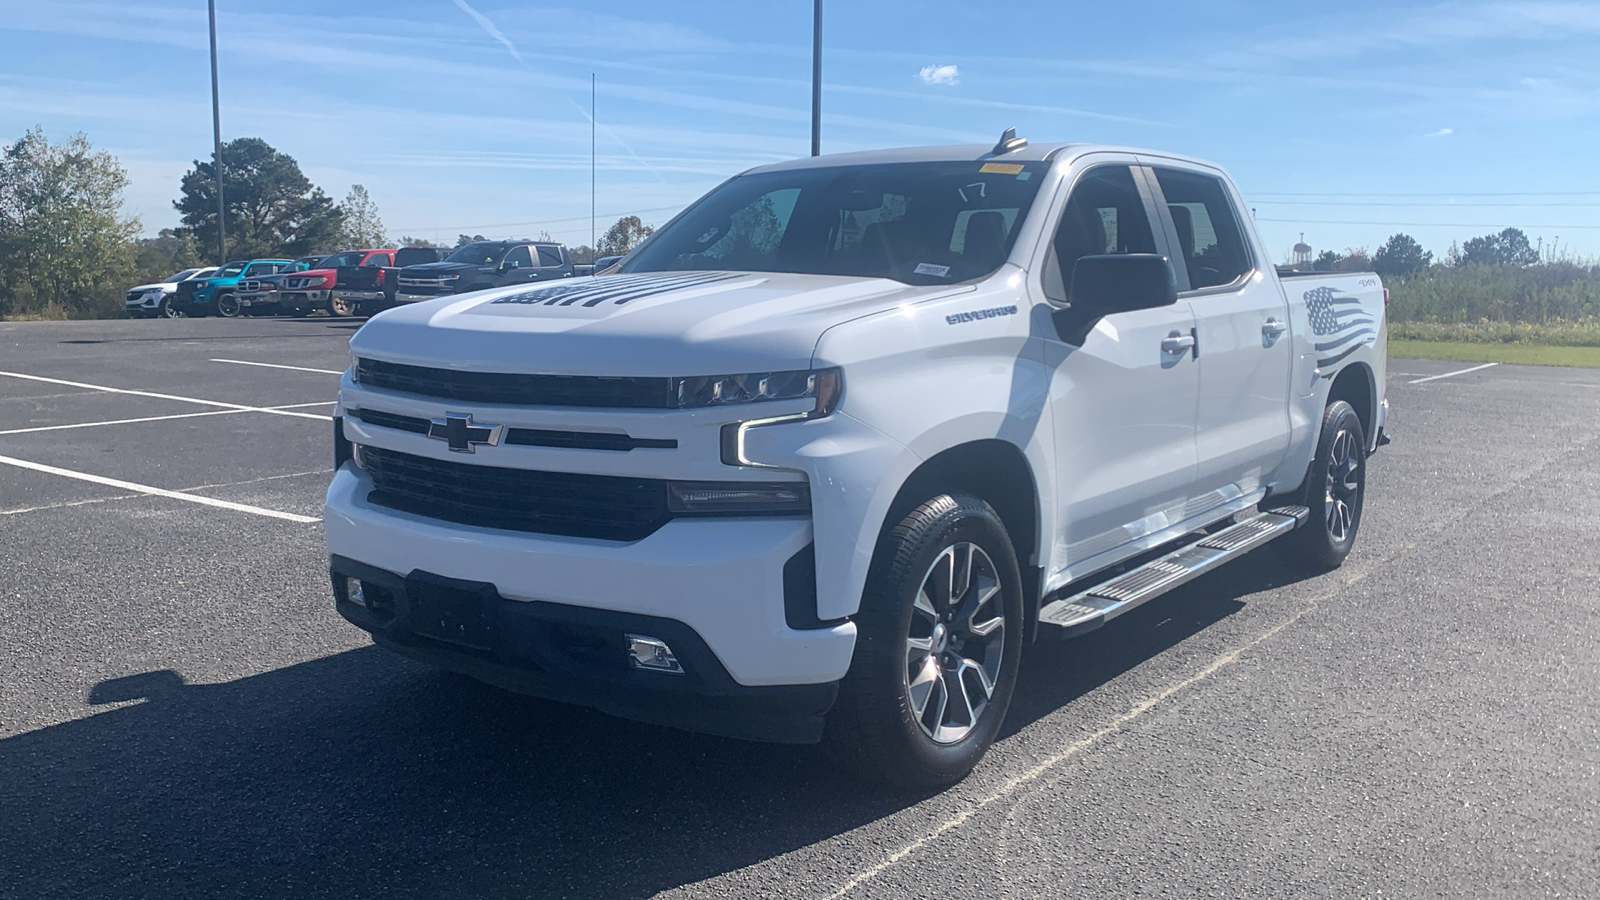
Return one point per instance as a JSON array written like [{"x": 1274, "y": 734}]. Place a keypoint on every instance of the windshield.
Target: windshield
[
  {"x": 174, "y": 279},
  {"x": 479, "y": 253},
  {"x": 919, "y": 223},
  {"x": 231, "y": 270},
  {"x": 350, "y": 258}
]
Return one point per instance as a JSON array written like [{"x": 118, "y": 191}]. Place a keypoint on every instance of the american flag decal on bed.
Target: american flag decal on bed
[{"x": 1340, "y": 323}]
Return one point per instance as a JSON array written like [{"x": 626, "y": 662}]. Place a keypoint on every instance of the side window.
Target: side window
[
  {"x": 1104, "y": 214},
  {"x": 1209, "y": 236},
  {"x": 379, "y": 259},
  {"x": 520, "y": 257},
  {"x": 549, "y": 257}
]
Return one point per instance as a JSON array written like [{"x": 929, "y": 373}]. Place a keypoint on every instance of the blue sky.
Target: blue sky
[{"x": 1444, "y": 120}]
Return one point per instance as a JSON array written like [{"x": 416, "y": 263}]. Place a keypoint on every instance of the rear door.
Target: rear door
[
  {"x": 1244, "y": 350},
  {"x": 1123, "y": 401}
]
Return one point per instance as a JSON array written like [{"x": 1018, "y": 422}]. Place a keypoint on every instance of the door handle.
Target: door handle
[
  {"x": 1177, "y": 343},
  {"x": 1273, "y": 328}
]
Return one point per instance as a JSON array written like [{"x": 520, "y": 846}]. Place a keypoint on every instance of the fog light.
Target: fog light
[
  {"x": 353, "y": 591},
  {"x": 652, "y": 654}
]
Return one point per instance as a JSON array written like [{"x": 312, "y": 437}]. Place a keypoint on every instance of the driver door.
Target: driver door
[{"x": 1123, "y": 401}]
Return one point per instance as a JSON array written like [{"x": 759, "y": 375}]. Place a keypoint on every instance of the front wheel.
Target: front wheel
[
  {"x": 939, "y": 639},
  {"x": 1335, "y": 490},
  {"x": 227, "y": 305},
  {"x": 169, "y": 311}
]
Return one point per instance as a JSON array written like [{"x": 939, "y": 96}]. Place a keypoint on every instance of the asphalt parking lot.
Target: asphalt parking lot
[{"x": 182, "y": 713}]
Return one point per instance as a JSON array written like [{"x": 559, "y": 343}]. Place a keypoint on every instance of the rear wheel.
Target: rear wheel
[
  {"x": 227, "y": 305},
  {"x": 341, "y": 307},
  {"x": 939, "y": 641},
  {"x": 1335, "y": 490}
]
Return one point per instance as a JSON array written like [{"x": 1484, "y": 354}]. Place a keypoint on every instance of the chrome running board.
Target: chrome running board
[{"x": 1089, "y": 609}]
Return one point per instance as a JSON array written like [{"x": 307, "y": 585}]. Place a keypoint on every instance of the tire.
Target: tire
[
  {"x": 1335, "y": 490},
  {"x": 922, "y": 662},
  {"x": 227, "y": 305},
  {"x": 168, "y": 311},
  {"x": 341, "y": 308}
]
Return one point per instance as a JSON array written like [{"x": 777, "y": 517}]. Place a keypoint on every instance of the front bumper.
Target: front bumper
[
  {"x": 720, "y": 579},
  {"x": 573, "y": 654}
]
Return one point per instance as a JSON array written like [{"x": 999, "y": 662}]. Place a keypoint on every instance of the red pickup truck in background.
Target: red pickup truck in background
[{"x": 368, "y": 287}]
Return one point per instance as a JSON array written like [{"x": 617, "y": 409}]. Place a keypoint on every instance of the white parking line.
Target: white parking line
[
  {"x": 245, "y": 362},
  {"x": 1452, "y": 374},
  {"x": 213, "y": 412},
  {"x": 158, "y": 492},
  {"x": 111, "y": 390}
]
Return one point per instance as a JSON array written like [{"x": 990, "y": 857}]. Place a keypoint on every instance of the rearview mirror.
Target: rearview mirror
[{"x": 1113, "y": 283}]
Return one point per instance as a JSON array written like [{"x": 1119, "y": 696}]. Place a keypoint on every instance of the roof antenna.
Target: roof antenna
[{"x": 1009, "y": 142}]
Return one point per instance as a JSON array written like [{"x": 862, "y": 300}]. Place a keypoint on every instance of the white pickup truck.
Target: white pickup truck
[{"x": 839, "y": 441}]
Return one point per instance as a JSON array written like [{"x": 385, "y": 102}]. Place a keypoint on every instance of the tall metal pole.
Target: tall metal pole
[
  {"x": 216, "y": 139},
  {"x": 816, "y": 82},
  {"x": 594, "y": 251}
]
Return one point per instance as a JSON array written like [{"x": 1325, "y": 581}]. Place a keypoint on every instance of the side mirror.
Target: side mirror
[
  {"x": 510, "y": 264},
  {"x": 1122, "y": 282},
  {"x": 1114, "y": 283}
]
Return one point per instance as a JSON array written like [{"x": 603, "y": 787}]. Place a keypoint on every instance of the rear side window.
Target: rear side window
[
  {"x": 549, "y": 256},
  {"x": 1209, "y": 237},
  {"x": 378, "y": 259},
  {"x": 520, "y": 257},
  {"x": 1104, "y": 214}
]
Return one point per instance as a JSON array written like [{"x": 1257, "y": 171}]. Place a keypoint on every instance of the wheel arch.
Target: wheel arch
[
  {"x": 997, "y": 472},
  {"x": 1355, "y": 385}
]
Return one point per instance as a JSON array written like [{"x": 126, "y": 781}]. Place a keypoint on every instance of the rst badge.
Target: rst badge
[{"x": 464, "y": 435}]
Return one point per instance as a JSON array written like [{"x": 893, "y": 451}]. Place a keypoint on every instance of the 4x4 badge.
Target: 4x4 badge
[{"x": 463, "y": 435}]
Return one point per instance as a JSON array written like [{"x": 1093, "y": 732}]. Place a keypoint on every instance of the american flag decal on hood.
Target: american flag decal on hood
[{"x": 1340, "y": 323}]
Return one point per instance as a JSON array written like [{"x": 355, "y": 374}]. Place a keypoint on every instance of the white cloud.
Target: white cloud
[
  {"x": 1443, "y": 132},
  {"x": 940, "y": 75}
]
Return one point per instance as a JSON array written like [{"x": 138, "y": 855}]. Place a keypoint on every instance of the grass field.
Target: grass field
[{"x": 1518, "y": 354}]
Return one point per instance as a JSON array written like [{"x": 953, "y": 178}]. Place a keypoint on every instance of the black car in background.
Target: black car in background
[{"x": 481, "y": 265}]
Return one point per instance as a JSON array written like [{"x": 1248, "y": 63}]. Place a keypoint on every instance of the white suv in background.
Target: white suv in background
[{"x": 150, "y": 300}]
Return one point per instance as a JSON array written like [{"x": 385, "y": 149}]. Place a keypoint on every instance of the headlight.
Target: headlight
[{"x": 825, "y": 385}]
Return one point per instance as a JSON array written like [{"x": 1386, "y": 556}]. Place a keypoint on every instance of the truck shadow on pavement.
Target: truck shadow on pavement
[{"x": 363, "y": 774}]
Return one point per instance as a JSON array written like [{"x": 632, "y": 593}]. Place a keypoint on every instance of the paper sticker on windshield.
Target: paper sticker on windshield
[
  {"x": 931, "y": 269},
  {"x": 1000, "y": 168}
]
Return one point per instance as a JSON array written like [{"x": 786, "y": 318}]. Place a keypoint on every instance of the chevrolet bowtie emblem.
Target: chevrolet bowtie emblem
[{"x": 462, "y": 434}]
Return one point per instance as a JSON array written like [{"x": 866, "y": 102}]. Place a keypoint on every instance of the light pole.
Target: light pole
[
  {"x": 816, "y": 81},
  {"x": 216, "y": 138}
]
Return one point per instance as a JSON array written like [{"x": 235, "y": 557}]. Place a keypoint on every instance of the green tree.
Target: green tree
[
  {"x": 168, "y": 252},
  {"x": 464, "y": 239},
  {"x": 65, "y": 247},
  {"x": 407, "y": 240},
  {"x": 1401, "y": 255},
  {"x": 623, "y": 236},
  {"x": 1325, "y": 261},
  {"x": 362, "y": 229},
  {"x": 1508, "y": 248},
  {"x": 273, "y": 209}
]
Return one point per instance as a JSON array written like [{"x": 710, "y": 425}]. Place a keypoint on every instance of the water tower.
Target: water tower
[{"x": 1302, "y": 252}]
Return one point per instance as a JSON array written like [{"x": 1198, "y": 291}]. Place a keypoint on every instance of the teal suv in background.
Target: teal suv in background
[{"x": 215, "y": 295}]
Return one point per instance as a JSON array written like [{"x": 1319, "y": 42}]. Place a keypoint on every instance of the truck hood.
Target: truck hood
[{"x": 654, "y": 324}]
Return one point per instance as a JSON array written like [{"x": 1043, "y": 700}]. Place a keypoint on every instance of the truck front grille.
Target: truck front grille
[
  {"x": 591, "y": 506},
  {"x": 519, "y": 390}
]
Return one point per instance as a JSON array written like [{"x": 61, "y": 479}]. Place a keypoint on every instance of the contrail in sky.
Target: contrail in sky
[{"x": 488, "y": 26}]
